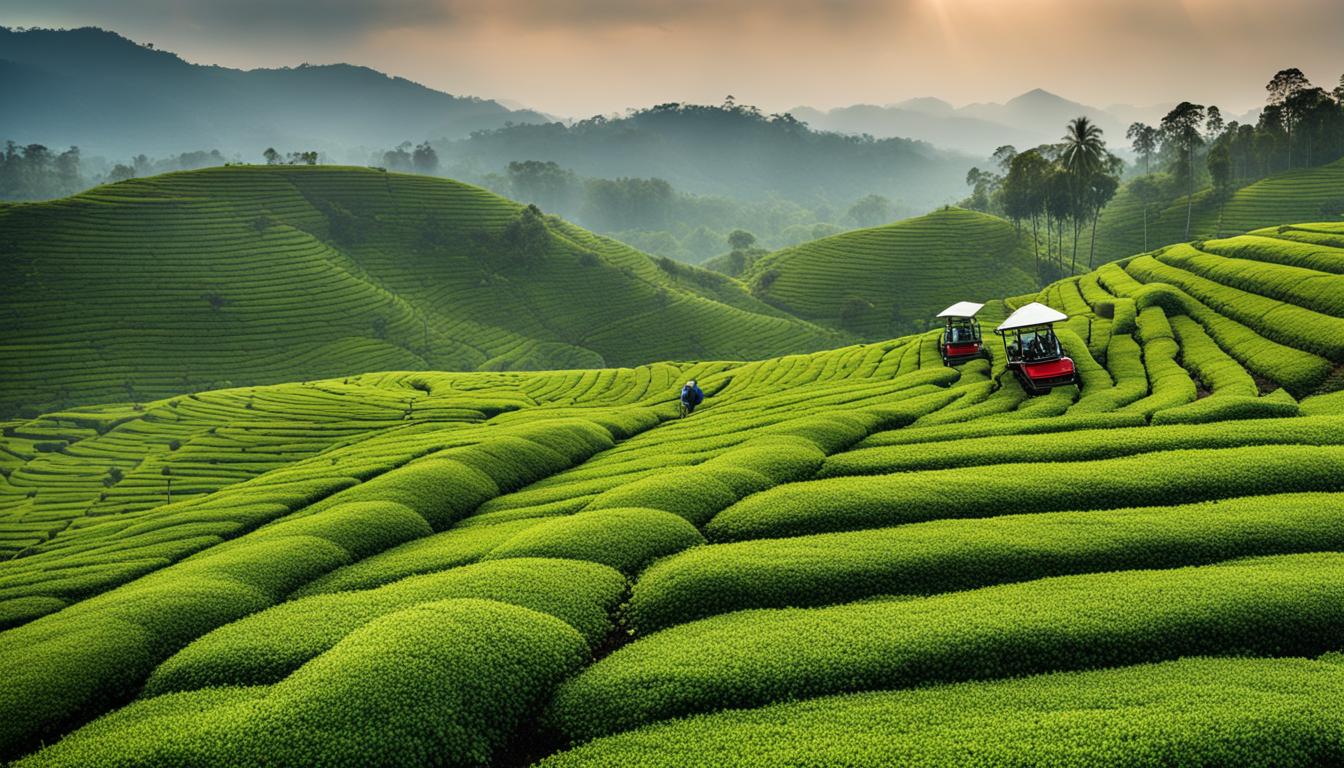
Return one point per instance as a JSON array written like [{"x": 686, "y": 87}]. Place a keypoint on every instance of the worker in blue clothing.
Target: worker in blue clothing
[{"x": 691, "y": 396}]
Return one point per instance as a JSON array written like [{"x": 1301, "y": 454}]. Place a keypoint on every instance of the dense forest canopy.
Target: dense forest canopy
[
  {"x": 1065, "y": 186},
  {"x": 728, "y": 149}
]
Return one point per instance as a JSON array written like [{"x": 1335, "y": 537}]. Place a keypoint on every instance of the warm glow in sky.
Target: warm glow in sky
[{"x": 581, "y": 57}]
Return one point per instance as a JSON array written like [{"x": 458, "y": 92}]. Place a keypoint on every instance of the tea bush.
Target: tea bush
[
  {"x": 691, "y": 493},
  {"x": 441, "y": 490},
  {"x": 440, "y": 552},
  {"x": 449, "y": 679},
  {"x": 625, "y": 539},
  {"x": 1285, "y": 605},
  {"x": 77, "y": 662},
  {"x": 1281, "y": 712},
  {"x": 1082, "y": 445},
  {"x": 847, "y": 503},
  {"x": 267, "y": 646},
  {"x": 949, "y": 555},
  {"x": 361, "y": 528}
]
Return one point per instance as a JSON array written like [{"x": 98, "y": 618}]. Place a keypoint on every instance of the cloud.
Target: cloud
[
  {"x": 583, "y": 56},
  {"x": 345, "y": 18},
  {"x": 246, "y": 19},
  {"x": 603, "y": 13}
]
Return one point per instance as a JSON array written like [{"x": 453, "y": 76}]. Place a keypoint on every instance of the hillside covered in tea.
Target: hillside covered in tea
[
  {"x": 849, "y": 557},
  {"x": 265, "y": 274}
]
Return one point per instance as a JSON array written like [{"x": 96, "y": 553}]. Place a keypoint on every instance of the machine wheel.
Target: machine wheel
[{"x": 1027, "y": 386}]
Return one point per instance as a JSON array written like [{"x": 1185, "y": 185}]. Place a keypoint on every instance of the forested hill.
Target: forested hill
[
  {"x": 727, "y": 150},
  {"x": 1302, "y": 194},
  {"x": 99, "y": 91},
  {"x": 255, "y": 274}
]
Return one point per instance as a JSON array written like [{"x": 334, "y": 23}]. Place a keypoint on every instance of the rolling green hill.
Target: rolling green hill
[
  {"x": 1305, "y": 194},
  {"x": 245, "y": 275},
  {"x": 888, "y": 280},
  {"x": 855, "y": 557}
]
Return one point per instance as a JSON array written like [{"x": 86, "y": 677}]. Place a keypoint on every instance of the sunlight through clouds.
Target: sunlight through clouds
[{"x": 612, "y": 54}]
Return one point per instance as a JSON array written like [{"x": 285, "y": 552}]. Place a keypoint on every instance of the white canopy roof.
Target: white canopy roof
[
  {"x": 1031, "y": 314},
  {"x": 961, "y": 309}
]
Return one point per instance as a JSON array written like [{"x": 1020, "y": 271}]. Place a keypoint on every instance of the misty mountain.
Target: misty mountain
[
  {"x": 946, "y": 128},
  {"x": 106, "y": 94},
  {"x": 732, "y": 151},
  {"x": 1035, "y": 117}
]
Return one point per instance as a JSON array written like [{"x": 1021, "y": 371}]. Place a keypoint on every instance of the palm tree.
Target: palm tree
[
  {"x": 1084, "y": 149},
  {"x": 1083, "y": 155}
]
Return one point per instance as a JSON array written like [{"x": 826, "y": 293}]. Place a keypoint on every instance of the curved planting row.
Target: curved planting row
[
  {"x": 847, "y": 503},
  {"x": 446, "y": 681},
  {"x": 1282, "y": 712},
  {"x": 1285, "y": 605},
  {"x": 950, "y": 555}
]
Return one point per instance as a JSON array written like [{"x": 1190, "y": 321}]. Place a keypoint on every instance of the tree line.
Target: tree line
[
  {"x": 1301, "y": 126},
  {"x": 36, "y": 172},
  {"x": 408, "y": 158},
  {"x": 1059, "y": 188}
]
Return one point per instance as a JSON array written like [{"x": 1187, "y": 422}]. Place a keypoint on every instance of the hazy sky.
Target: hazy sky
[{"x": 581, "y": 57}]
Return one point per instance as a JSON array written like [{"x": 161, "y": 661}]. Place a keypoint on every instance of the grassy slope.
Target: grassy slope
[
  {"x": 906, "y": 271},
  {"x": 1308, "y": 194},
  {"x": 255, "y": 274},
  {"x": 405, "y": 564}
]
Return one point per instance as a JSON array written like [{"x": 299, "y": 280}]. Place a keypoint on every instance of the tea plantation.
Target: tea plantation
[
  {"x": 1302, "y": 194},
  {"x": 853, "y": 557},
  {"x": 266, "y": 274}
]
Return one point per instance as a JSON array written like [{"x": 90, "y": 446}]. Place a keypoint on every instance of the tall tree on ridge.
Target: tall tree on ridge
[
  {"x": 1213, "y": 123},
  {"x": 1180, "y": 127},
  {"x": 1083, "y": 156},
  {"x": 1146, "y": 191},
  {"x": 425, "y": 159},
  {"x": 1024, "y": 195},
  {"x": 1143, "y": 140},
  {"x": 1285, "y": 84},
  {"x": 1100, "y": 189}
]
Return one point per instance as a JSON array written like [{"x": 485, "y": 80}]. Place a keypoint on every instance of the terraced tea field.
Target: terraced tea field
[
  {"x": 855, "y": 557},
  {"x": 871, "y": 281},
  {"x": 1304, "y": 194},
  {"x": 252, "y": 275}
]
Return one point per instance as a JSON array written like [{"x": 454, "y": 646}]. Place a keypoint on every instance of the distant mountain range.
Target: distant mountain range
[
  {"x": 734, "y": 152},
  {"x": 107, "y": 94},
  {"x": 1035, "y": 117}
]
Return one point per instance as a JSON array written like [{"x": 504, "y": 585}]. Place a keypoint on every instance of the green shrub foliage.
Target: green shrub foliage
[
  {"x": 1281, "y": 712},
  {"x": 949, "y": 555},
  {"x": 1291, "y": 604},
  {"x": 846, "y": 503},
  {"x": 625, "y": 539},
  {"x": 267, "y": 646},
  {"x": 444, "y": 681}
]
